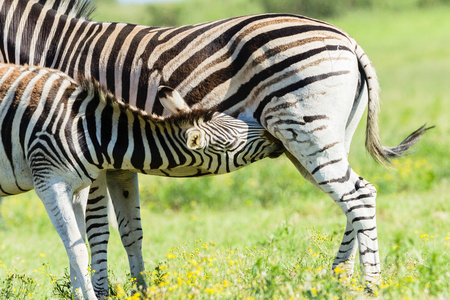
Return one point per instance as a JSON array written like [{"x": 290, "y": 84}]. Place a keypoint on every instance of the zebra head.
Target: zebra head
[{"x": 224, "y": 142}]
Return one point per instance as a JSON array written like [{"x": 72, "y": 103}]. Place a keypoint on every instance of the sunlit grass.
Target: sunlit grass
[{"x": 254, "y": 252}]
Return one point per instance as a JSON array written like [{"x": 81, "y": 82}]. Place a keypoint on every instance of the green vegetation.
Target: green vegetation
[
  {"x": 195, "y": 11},
  {"x": 264, "y": 232}
]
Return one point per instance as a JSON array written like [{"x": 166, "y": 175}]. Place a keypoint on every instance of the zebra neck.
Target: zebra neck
[{"x": 123, "y": 139}]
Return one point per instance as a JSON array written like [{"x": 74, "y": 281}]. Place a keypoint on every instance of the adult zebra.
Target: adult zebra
[
  {"x": 59, "y": 136},
  {"x": 305, "y": 81}
]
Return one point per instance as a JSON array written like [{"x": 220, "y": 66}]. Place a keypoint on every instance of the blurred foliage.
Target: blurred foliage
[{"x": 195, "y": 11}]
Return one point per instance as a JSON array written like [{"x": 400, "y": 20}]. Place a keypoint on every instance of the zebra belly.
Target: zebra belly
[
  {"x": 15, "y": 178},
  {"x": 179, "y": 172},
  {"x": 198, "y": 171}
]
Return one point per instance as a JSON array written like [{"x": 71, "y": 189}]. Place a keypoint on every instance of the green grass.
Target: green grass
[
  {"x": 251, "y": 251},
  {"x": 264, "y": 232}
]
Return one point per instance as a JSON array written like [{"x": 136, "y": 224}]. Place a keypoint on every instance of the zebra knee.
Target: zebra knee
[
  {"x": 359, "y": 203},
  {"x": 361, "y": 183},
  {"x": 362, "y": 192}
]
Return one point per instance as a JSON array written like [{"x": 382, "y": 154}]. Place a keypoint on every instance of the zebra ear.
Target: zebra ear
[
  {"x": 172, "y": 100},
  {"x": 195, "y": 139}
]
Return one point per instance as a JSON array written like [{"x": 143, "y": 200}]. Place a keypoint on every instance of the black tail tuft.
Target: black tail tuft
[{"x": 400, "y": 150}]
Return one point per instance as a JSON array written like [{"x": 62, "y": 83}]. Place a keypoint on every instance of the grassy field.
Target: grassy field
[{"x": 264, "y": 232}]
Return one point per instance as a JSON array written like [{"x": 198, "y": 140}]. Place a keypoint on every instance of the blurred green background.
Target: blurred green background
[{"x": 175, "y": 13}]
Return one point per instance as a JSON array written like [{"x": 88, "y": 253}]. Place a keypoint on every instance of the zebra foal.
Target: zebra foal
[
  {"x": 58, "y": 137},
  {"x": 305, "y": 81}
]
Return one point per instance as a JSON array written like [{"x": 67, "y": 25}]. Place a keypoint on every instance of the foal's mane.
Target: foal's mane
[{"x": 93, "y": 87}]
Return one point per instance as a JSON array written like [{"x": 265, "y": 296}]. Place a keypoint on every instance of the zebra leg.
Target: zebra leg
[
  {"x": 358, "y": 108},
  {"x": 79, "y": 201},
  {"x": 346, "y": 254},
  {"x": 347, "y": 250},
  {"x": 124, "y": 191},
  {"x": 98, "y": 234},
  {"x": 57, "y": 199},
  {"x": 360, "y": 208},
  {"x": 356, "y": 198},
  {"x": 345, "y": 257},
  {"x": 317, "y": 142}
]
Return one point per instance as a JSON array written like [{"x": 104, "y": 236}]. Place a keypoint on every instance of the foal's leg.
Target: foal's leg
[
  {"x": 98, "y": 234},
  {"x": 123, "y": 188},
  {"x": 79, "y": 201},
  {"x": 124, "y": 191},
  {"x": 57, "y": 199}
]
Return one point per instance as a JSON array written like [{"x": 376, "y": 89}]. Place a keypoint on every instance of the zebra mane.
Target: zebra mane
[
  {"x": 95, "y": 89},
  {"x": 82, "y": 9}
]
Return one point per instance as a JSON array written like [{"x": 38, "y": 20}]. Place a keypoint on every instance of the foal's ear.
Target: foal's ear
[
  {"x": 172, "y": 100},
  {"x": 195, "y": 139}
]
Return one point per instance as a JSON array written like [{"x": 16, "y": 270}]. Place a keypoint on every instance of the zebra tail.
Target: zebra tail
[
  {"x": 400, "y": 150},
  {"x": 382, "y": 154}
]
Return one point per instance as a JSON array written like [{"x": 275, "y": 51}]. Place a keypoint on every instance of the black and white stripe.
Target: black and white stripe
[
  {"x": 306, "y": 81},
  {"x": 58, "y": 137}
]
